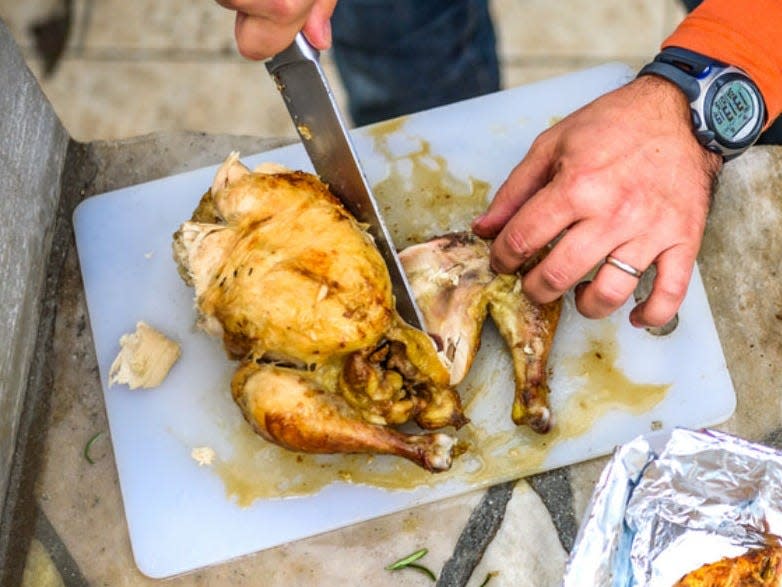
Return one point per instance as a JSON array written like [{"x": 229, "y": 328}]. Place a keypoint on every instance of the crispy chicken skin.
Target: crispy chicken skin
[
  {"x": 302, "y": 298},
  {"x": 275, "y": 274},
  {"x": 756, "y": 568},
  {"x": 455, "y": 289}
]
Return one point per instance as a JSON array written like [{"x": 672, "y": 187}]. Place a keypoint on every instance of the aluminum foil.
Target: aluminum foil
[{"x": 664, "y": 506}]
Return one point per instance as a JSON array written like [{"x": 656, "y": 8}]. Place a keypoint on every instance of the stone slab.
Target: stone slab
[
  {"x": 33, "y": 144},
  {"x": 741, "y": 264}
]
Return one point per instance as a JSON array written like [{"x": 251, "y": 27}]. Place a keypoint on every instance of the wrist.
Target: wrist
[
  {"x": 666, "y": 94},
  {"x": 727, "y": 109},
  {"x": 672, "y": 106}
]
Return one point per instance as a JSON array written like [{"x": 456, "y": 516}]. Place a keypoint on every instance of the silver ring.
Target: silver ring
[{"x": 626, "y": 267}]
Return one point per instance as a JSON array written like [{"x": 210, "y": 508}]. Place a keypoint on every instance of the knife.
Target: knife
[{"x": 305, "y": 89}]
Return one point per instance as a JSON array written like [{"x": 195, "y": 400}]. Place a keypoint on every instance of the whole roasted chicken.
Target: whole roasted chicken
[{"x": 302, "y": 299}]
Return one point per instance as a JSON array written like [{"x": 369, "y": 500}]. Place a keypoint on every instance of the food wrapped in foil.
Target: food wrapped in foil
[{"x": 666, "y": 505}]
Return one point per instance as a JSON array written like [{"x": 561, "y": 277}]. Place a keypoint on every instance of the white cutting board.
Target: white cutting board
[{"x": 179, "y": 514}]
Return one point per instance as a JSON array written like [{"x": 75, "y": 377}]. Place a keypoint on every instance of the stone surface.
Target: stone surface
[
  {"x": 525, "y": 552},
  {"x": 477, "y": 535},
  {"x": 130, "y": 98},
  {"x": 555, "y": 490},
  {"x": 32, "y": 150},
  {"x": 40, "y": 570},
  {"x": 584, "y": 28},
  {"x": 175, "y": 24},
  {"x": 741, "y": 262}
]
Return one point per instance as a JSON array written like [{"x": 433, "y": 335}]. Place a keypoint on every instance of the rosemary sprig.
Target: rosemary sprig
[
  {"x": 424, "y": 570},
  {"x": 88, "y": 446},
  {"x": 410, "y": 562},
  {"x": 406, "y": 561}
]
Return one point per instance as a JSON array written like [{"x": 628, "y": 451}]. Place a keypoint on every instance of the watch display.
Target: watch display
[{"x": 732, "y": 110}]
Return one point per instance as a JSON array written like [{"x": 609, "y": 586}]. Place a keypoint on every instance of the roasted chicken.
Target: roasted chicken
[
  {"x": 302, "y": 299},
  {"x": 756, "y": 568}
]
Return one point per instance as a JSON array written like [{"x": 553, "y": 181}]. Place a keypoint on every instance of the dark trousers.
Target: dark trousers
[{"x": 401, "y": 56}]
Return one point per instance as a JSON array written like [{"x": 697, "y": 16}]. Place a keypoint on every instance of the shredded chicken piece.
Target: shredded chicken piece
[
  {"x": 203, "y": 455},
  {"x": 145, "y": 358}
]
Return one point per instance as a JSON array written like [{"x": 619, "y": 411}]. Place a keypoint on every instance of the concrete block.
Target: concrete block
[{"x": 33, "y": 144}]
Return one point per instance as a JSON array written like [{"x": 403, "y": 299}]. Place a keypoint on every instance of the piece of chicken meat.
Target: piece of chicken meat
[
  {"x": 302, "y": 299},
  {"x": 455, "y": 288}
]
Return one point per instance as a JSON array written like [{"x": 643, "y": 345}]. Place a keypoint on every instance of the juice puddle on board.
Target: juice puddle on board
[
  {"x": 421, "y": 197},
  {"x": 260, "y": 470}
]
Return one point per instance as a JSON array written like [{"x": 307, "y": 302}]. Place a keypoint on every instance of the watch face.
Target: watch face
[{"x": 734, "y": 111}]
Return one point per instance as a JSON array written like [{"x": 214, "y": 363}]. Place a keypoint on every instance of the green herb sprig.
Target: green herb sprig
[
  {"x": 88, "y": 446},
  {"x": 410, "y": 562}
]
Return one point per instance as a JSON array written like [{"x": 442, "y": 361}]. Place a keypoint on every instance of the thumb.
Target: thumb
[{"x": 317, "y": 27}]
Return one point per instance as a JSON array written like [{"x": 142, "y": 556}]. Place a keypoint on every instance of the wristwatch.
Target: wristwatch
[{"x": 727, "y": 108}]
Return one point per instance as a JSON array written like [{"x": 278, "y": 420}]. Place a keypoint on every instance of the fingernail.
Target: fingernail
[
  {"x": 478, "y": 221},
  {"x": 500, "y": 268}
]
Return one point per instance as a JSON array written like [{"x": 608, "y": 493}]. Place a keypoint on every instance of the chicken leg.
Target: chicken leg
[{"x": 288, "y": 407}]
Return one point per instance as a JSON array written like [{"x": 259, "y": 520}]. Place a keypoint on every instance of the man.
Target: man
[{"x": 624, "y": 179}]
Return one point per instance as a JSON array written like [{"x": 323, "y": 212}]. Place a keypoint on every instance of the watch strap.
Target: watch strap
[
  {"x": 683, "y": 67},
  {"x": 686, "y": 82}
]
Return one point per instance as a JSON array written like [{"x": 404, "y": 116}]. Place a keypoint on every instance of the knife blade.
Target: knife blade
[{"x": 300, "y": 79}]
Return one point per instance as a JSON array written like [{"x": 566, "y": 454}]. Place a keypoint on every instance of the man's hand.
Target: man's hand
[
  {"x": 266, "y": 27},
  {"x": 623, "y": 176}
]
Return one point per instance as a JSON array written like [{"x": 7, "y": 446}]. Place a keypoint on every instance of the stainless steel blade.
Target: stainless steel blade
[{"x": 311, "y": 104}]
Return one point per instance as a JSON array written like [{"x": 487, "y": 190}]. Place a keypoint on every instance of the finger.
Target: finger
[
  {"x": 538, "y": 222},
  {"x": 274, "y": 11},
  {"x": 582, "y": 247},
  {"x": 611, "y": 286},
  {"x": 674, "y": 270},
  {"x": 229, "y": 4},
  {"x": 524, "y": 181},
  {"x": 317, "y": 28},
  {"x": 258, "y": 37}
]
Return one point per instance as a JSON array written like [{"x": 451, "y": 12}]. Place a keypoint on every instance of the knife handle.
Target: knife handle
[{"x": 298, "y": 51}]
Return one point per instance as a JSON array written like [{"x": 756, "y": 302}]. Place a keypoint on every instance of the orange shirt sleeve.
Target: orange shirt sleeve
[{"x": 743, "y": 33}]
